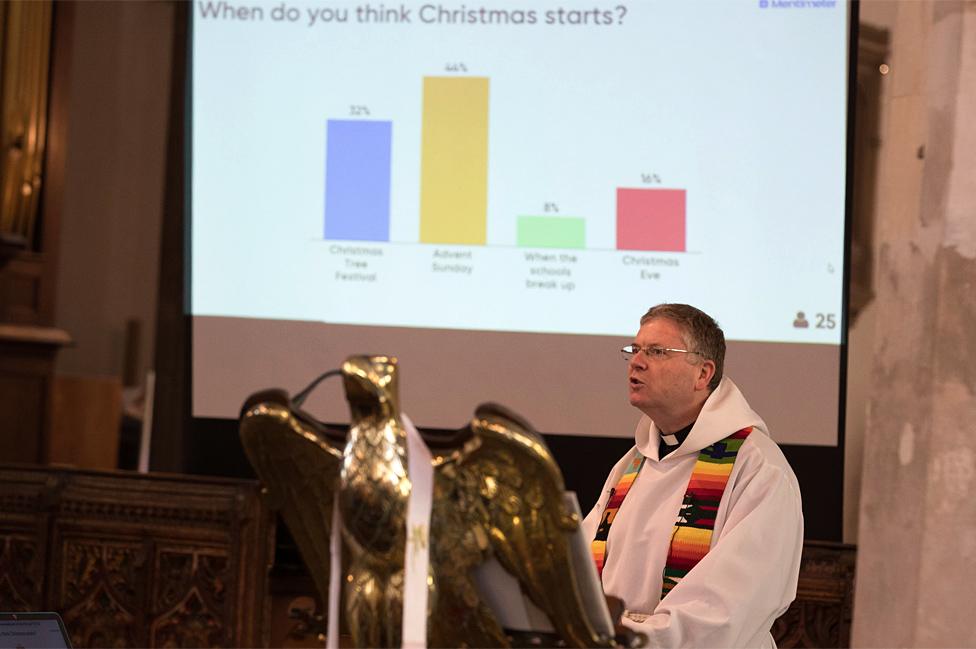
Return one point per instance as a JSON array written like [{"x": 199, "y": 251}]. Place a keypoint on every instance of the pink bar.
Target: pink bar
[{"x": 651, "y": 219}]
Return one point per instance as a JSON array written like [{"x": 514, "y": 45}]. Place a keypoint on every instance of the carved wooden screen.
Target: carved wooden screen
[
  {"x": 821, "y": 614},
  {"x": 137, "y": 561}
]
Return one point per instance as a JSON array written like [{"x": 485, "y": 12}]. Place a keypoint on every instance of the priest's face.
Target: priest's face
[{"x": 668, "y": 388}]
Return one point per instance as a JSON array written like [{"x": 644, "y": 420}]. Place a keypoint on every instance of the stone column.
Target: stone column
[{"x": 916, "y": 571}]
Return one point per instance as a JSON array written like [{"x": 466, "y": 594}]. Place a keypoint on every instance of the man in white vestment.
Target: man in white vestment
[{"x": 748, "y": 574}]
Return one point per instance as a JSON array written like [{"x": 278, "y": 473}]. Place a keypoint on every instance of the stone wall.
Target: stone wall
[{"x": 916, "y": 571}]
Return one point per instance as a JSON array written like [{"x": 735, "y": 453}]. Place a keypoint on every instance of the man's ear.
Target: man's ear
[{"x": 705, "y": 374}]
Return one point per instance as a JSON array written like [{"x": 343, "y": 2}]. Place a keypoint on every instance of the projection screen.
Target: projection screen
[{"x": 496, "y": 192}]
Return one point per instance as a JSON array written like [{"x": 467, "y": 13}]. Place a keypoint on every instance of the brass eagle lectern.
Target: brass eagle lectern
[{"x": 496, "y": 492}]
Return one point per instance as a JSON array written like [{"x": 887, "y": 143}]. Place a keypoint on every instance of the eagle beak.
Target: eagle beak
[{"x": 372, "y": 386}]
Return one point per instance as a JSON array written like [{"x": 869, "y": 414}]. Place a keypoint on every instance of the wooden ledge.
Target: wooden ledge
[{"x": 32, "y": 334}]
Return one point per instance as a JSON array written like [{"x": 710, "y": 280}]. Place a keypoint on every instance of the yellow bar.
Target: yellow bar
[{"x": 454, "y": 160}]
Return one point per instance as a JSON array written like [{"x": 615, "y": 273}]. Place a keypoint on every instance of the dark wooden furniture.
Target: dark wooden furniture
[
  {"x": 34, "y": 103},
  {"x": 819, "y": 617},
  {"x": 27, "y": 355},
  {"x": 821, "y": 614},
  {"x": 160, "y": 560},
  {"x": 137, "y": 560}
]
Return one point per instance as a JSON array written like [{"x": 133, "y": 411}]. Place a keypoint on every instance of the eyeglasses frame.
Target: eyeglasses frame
[{"x": 631, "y": 350}]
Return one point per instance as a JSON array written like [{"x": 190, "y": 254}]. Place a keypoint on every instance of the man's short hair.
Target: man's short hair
[{"x": 699, "y": 330}]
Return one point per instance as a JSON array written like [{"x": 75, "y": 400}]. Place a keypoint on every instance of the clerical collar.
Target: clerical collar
[{"x": 673, "y": 441}]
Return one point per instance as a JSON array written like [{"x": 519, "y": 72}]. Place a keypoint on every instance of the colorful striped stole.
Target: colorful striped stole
[
  {"x": 696, "y": 519},
  {"x": 599, "y": 545}
]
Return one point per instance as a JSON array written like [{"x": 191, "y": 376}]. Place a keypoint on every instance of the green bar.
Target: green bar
[{"x": 551, "y": 232}]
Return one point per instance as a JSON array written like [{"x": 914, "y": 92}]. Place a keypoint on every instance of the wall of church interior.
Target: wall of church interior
[
  {"x": 916, "y": 569},
  {"x": 120, "y": 67},
  {"x": 109, "y": 260},
  {"x": 110, "y": 242}
]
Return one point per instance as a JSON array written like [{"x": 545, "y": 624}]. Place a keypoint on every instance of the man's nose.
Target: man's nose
[{"x": 637, "y": 361}]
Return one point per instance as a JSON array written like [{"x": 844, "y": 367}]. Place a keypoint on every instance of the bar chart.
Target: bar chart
[
  {"x": 454, "y": 161},
  {"x": 357, "y": 188},
  {"x": 551, "y": 232},
  {"x": 651, "y": 219},
  {"x": 454, "y": 184},
  {"x": 517, "y": 177}
]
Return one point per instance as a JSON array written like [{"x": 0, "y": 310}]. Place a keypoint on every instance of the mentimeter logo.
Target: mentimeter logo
[{"x": 797, "y": 4}]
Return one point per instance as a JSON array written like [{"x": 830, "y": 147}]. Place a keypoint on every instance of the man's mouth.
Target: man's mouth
[{"x": 634, "y": 381}]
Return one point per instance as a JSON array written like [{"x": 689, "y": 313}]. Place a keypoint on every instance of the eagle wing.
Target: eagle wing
[
  {"x": 298, "y": 460},
  {"x": 528, "y": 522}
]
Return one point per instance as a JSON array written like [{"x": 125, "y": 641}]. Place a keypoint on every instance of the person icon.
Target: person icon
[{"x": 801, "y": 321}]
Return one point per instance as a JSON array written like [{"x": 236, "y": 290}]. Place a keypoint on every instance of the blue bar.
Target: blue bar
[{"x": 357, "y": 180}]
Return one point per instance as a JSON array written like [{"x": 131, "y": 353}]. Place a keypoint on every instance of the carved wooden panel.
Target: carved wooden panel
[
  {"x": 101, "y": 592},
  {"x": 821, "y": 614},
  {"x": 23, "y": 534},
  {"x": 20, "y": 570},
  {"x": 191, "y": 599},
  {"x": 137, "y": 560}
]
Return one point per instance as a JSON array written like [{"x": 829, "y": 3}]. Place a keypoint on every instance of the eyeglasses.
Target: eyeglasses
[{"x": 654, "y": 352}]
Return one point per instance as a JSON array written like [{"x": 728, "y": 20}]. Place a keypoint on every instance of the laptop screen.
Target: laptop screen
[{"x": 32, "y": 631}]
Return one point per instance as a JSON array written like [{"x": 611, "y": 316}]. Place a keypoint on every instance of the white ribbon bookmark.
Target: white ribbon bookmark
[
  {"x": 417, "y": 558},
  {"x": 335, "y": 574}
]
